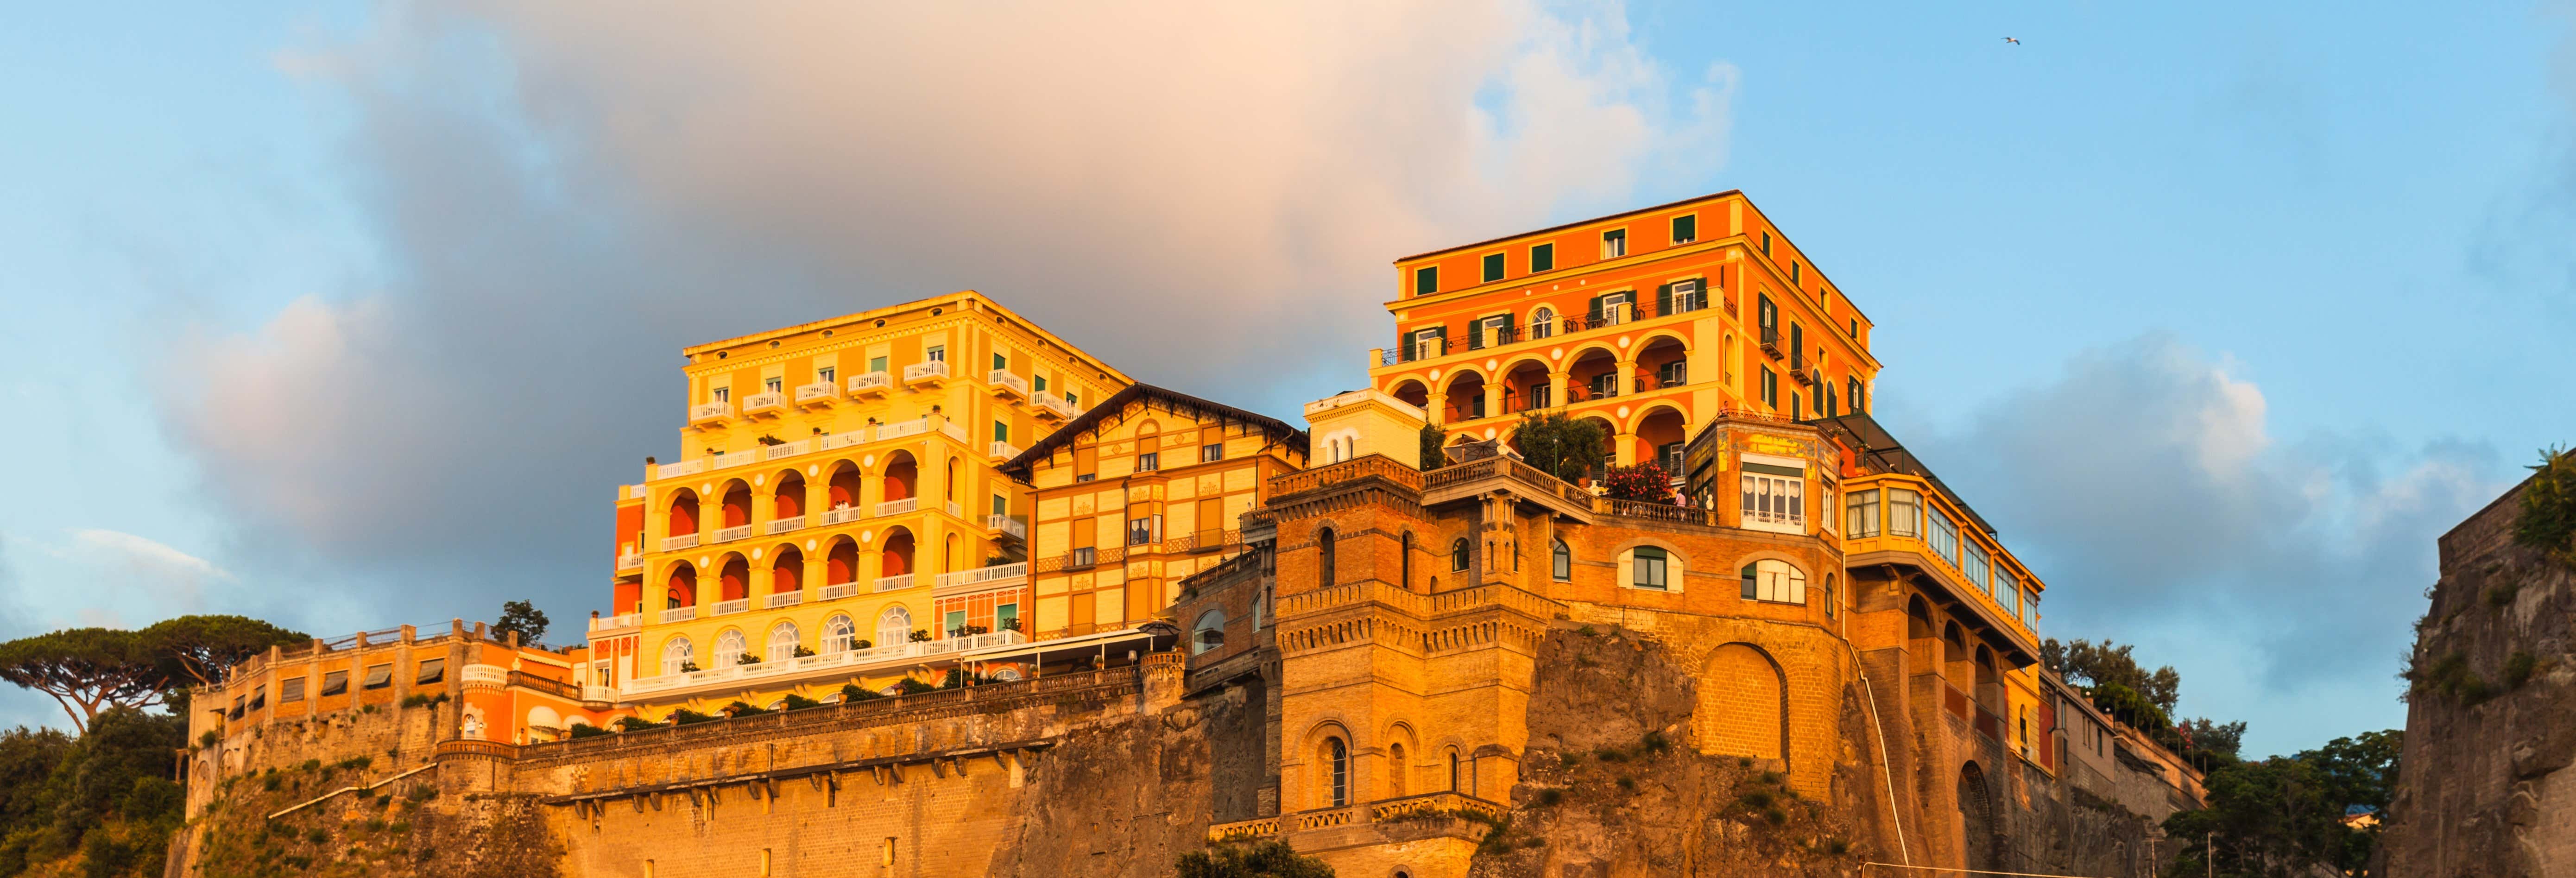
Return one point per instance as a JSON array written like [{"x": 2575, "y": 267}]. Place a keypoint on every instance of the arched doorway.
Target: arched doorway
[
  {"x": 1979, "y": 840},
  {"x": 787, "y": 571},
  {"x": 1743, "y": 705},
  {"x": 841, "y": 562}
]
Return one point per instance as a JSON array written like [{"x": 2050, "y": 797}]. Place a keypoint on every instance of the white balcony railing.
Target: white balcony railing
[
  {"x": 822, "y": 391},
  {"x": 613, "y": 623},
  {"x": 1002, "y": 450},
  {"x": 1051, "y": 404},
  {"x": 729, "y": 461},
  {"x": 955, "y": 509},
  {"x": 488, "y": 675},
  {"x": 829, "y": 664},
  {"x": 784, "y": 525},
  {"x": 630, "y": 562},
  {"x": 785, "y": 449},
  {"x": 635, "y": 492},
  {"x": 898, "y": 507},
  {"x": 983, "y": 575},
  {"x": 683, "y": 541},
  {"x": 731, "y": 534},
  {"x": 1006, "y": 383},
  {"x": 837, "y": 592},
  {"x": 926, "y": 372},
  {"x": 891, "y": 583},
  {"x": 841, "y": 515},
  {"x": 901, "y": 429},
  {"x": 601, "y": 693},
  {"x": 844, "y": 439},
  {"x": 872, "y": 382},
  {"x": 727, "y": 608},
  {"x": 679, "y": 614},
  {"x": 786, "y": 599},
  {"x": 710, "y": 411},
  {"x": 764, "y": 402},
  {"x": 676, "y": 470},
  {"x": 952, "y": 430},
  {"x": 1007, "y": 525}
]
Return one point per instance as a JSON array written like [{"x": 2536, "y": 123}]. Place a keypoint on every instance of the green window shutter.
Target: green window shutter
[
  {"x": 1476, "y": 334},
  {"x": 1507, "y": 325},
  {"x": 1542, "y": 258},
  {"x": 1664, "y": 299},
  {"x": 1001, "y": 432},
  {"x": 1494, "y": 267},
  {"x": 1596, "y": 309},
  {"x": 1752, "y": 582},
  {"x": 1000, "y": 362},
  {"x": 1426, "y": 280},
  {"x": 1685, "y": 229}
]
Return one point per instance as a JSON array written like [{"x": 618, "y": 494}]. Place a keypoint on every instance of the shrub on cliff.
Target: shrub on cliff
[
  {"x": 1265, "y": 859},
  {"x": 2548, "y": 519}
]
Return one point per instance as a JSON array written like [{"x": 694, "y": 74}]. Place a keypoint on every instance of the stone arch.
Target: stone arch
[
  {"x": 1403, "y": 746},
  {"x": 1918, "y": 618},
  {"x": 1639, "y": 418},
  {"x": 1651, "y": 336},
  {"x": 1743, "y": 704},
  {"x": 1980, "y": 835},
  {"x": 1411, "y": 390}
]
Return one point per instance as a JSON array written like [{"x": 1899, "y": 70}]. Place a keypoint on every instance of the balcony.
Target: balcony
[
  {"x": 820, "y": 394},
  {"x": 785, "y": 525},
  {"x": 764, "y": 405},
  {"x": 845, "y": 439},
  {"x": 1771, "y": 341},
  {"x": 841, "y": 515},
  {"x": 630, "y": 562},
  {"x": 784, "y": 599},
  {"x": 785, "y": 449},
  {"x": 1053, "y": 408},
  {"x": 951, "y": 430},
  {"x": 617, "y": 623},
  {"x": 956, "y": 510},
  {"x": 730, "y": 534},
  {"x": 721, "y": 460},
  {"x": 1005, "y": 384},
  {"x": 635, "y": 492},
  {"x": 484, "y": 675},
  {"x": 875, "y": 384},
  {"x": 1480, "y": 338},
  {"x": 1006, "y": 526},
  {"x": 676, "y": 470},
  {"x": 1804, "y": 371},
  {"x": 838, "y": 591},
  {"x": 1002, "y": 451},
  {"x": 998, "y": 573},
  {"x": 898, "y": 507},
  {"x": 683, "y": 541},
  {"x": 901, "y": 429},
  {"x": 894, "y": 583},
  {"x": 836, "y": 664},
  {"x": 927, "y": 373},
  {"x": 713, "y": 411},
  {"x": 728, "y": 608},
  {"x": 679, "y": 614}
]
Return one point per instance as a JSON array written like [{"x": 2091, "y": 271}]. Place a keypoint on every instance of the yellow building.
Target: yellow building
[
  {"x": 1139, "y": 492},
  {"x": 835, "y": 512}
]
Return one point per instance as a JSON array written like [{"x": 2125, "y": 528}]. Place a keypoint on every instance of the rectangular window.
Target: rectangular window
[
  {"x": 772, "y": 385},
  {"x": 1770, "y": 388},
  {"x": 1650, "y": 566},
  {"x": 1793, "y": 272},
  {"x": 1614, "y": 243},
  {"x": 1825, "y": 508},
  {"x": 1673, "y": 374},
  {"x": 379, "y": 676},
  {"x": 1001, "y": 431},
  {"x": 259, "y": 696},
  {"x": 431, "y": 671},
  {"x": 1426, "y": 280},
  {"x": 1773, "y": 500},
  {"x": 1669, "y": 456},
  {"x": 1542, "y": 258},
  {"x": 1145, "y": 531},
  {"x": 1774, "y": 581},
  {"x": 1942, "y": 535},
  {"x": 335, "y": 683},
  {"x": 1685, "y": 229},
  {"x": 824, "y": 375},
  {"x": 1541, "y": 396},
  {"x": 876, "y": 364},
  {"x": 1001, "y": 505},
  {"x": 1072, "y": 399},
  {"x": 1493, "y": 267},
  {"x": 954, "y": 623},
  {"x": 290, "y": 689},
  {"x": 1976, "y": 568},
  {"x": 1855, "y": 327},
  {"x": 1766, "y": 243},
  {"x": 1006, "y": 617},
  {"x": 1860, "y": 514},
  {"x": 1561, "y": 565},
  {"x": 1605, "y": 384},
  {"x": 1039, "y": 383},
  {"x": 1211, "y": 452},
  {"x": 1149, "y": 461},
  {"x": 1904, "y": 513},
  {"x": 1000, "y": 362},
  {"x": 938, "y": 353},
  {"x": 724, "y": 394}
]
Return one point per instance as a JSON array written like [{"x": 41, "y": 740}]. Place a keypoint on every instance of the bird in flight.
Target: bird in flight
[{"x": 2012, "y": 41}]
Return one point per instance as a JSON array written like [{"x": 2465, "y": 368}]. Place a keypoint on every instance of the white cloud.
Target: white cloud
[
  {"x": 568, "y": 192},
  {"x": 108, "y": 578}
]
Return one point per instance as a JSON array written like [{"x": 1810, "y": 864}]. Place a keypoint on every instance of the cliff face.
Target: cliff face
[{"x": 2483, "y": 787}]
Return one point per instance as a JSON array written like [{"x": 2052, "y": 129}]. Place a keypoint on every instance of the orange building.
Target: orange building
[{"x": 1650, "y": 321}]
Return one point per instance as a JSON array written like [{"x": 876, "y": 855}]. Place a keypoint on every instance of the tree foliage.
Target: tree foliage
[
  {"x": 200, "y": 648},
  {"x": 1265, "y": 859},
  {"x": 1431, "y": 440},
  {"x": 2548, "y": 518},
  {"x": 2085, "y": 663},
  {"x": 2284, "y": 816},
  {"x": 1559, "y": 446},
  {"x": 60, "y": 795},
  {"x": 1644, "y": 483},
  {"x": 86, "y": 670},
  {"x": 521, "y": 618}
]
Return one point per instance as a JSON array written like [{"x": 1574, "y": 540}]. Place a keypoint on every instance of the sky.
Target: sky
[{"x": 350, "y": 315}]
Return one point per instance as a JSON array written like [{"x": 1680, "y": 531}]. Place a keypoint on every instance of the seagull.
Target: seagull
[{"x": 2012, "y": 41}]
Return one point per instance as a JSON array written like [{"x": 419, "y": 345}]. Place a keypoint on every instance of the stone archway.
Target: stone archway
[{"x": 1980, "y": 835}]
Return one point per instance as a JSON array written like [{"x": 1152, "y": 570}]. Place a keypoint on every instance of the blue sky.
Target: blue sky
[{"x": 352, "y": 315}]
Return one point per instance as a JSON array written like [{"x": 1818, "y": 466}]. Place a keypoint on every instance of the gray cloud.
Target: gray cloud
[
  {"x": 566, "y": 193},
  {"x": 2142, "y": 483}
]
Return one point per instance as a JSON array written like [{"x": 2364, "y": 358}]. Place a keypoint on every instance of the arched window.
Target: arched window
[
  {"x": 1007, "y": 675},
  {"x": 1395, "y": 769},
  {"x": 1458, "y": 554},
  {"x": 1453, "y": 769},
  {"x": 1337, "y": 774},
  {"x": 677, "y": 655},
  {"x": 730, "y": 648},
  {"x": 1542, "y": 323},
  {"x": 894, "y": 625},
  {"x": 1404, "y": 563},
  {"x": 839, "y": 635},
  {"x": 1324, "y": 557},
  {"x": 1208, "y": 632},
  {"x": 782, "y": 641},
  {"x": 1774, "y": 580},
  {"x": 1561, "y": 562},
  {"x": 1651, "y": 564}
]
